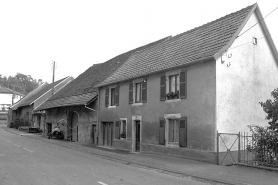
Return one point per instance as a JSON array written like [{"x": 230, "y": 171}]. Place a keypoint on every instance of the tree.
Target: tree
[
  {"x": 270, "y": 107},
  {"x": 264, "y": 143},
  {"x": 20, "y": 83}
]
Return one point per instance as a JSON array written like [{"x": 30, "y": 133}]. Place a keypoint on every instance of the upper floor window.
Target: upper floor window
[
  {"x": 173, "y": 92},
  {"x": 112, "y": 96},
  {"x": 138, "y": 91},
  {"x": 175, "y": 88}
]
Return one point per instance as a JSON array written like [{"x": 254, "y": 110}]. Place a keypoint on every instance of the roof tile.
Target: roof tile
[{"x": 196, "y": 44}]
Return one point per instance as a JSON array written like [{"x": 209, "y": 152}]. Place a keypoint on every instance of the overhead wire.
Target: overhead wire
[{"x": 257, "y": 22}]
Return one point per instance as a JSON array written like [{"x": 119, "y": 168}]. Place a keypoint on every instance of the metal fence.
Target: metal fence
[{"x": 258, "y": 150}]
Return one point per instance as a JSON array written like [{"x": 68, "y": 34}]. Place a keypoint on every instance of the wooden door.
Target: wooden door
[{"x": 137, "y": 135}]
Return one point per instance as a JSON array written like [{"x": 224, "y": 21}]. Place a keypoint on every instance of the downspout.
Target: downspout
[{"x": 97, "y": 118}]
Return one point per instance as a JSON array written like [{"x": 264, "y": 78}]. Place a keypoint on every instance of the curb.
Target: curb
[
  {"x": 259, "y": 167},
  {"x": 197, "y": 177}
]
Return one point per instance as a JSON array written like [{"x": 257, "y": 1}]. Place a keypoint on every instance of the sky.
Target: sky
[{"x": 79, "y": 33}]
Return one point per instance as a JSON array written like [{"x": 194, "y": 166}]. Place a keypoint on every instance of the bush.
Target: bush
[
  {"x": 264, "y": 145},
  {"x": 17, "y": 123}
]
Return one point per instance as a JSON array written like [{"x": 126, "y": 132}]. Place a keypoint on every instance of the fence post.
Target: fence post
[
  {"x": 217, "y": 140},
  {"x": 239, "y": 157}
]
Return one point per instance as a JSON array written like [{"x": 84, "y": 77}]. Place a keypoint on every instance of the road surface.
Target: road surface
[{"x": 27, "y": 161}]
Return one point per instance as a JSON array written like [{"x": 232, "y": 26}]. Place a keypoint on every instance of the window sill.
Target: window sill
[
  {"x": 137, "y": 104},
  {"x": 110, "y": 107},
  {"x": 173, "y": 144},
  {"x": 172, "y": 100}
]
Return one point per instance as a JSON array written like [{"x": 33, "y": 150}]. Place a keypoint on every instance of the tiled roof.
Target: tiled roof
[
  {"x": 9, "y": 91},
  {"x": 68, "y": 101},
  {"x": 85, "y": 83},
  {"x": 199, "y": 43},
  {"x": 36, "y": 95}
]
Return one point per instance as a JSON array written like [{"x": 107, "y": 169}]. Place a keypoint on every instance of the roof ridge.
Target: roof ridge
[
  {"x": 216, "y": 20},
  {"x": 196, "y": 44}
]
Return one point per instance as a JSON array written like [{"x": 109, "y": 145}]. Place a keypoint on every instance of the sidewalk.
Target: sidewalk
[{"x": 171, "y": 165}]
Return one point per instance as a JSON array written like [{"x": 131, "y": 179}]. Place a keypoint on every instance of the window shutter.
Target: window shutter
[
  {"x": 144, "y": 91},
  {"x": 161, "y": 131},
  {"x": 183, "y": 132},
  {"x": 183, "y": 84},
  {"x": 130, "y": 95},
  {"x": 117, "y": 95},
  {"x": 163, "y": 88},
  {"x": 107, "y": 97},
  {"x": 117, "y": 130}
]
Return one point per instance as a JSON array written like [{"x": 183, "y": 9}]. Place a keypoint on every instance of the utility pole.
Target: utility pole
[{"x": 53, "y": 78}]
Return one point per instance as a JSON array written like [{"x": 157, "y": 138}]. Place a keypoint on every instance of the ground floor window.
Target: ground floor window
[
  {"x": 123, "y": 129},
  {"x": 173, "y": 130}
]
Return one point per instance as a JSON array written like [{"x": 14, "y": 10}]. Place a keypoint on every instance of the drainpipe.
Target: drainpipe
[{"x": 97, "y": 118}]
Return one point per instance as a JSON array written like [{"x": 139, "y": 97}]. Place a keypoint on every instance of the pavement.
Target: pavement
[{"x": 201, "y": 171}]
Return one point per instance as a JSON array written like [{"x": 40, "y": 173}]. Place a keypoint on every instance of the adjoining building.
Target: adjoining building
[
  {"x": 8, "y": 97},
  {"x": 75, "y": 108},
  {"x": 23, "y": 111}
]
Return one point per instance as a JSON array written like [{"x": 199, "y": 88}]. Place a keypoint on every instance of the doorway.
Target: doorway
[
  {"x": 107, "y": 133},
  {"x": 93, "y": 136},
  {"x": 49, "y": 128},
  {"x": 72, "y": 130},
  {"x": 137, "y": 135}
]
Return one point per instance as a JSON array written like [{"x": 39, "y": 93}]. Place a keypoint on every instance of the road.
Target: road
[{"x": 27, "y": 161}]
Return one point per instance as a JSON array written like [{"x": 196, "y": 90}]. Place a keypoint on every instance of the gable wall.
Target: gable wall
[{"x": 250, "y": 78}]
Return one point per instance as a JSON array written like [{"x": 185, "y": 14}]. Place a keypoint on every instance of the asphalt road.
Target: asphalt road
[{"x": 28, "y": 161}]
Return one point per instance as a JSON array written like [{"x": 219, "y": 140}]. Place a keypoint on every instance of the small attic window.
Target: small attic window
[{"x": 255, "y": 41}]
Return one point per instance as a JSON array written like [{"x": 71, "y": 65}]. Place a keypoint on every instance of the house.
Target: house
[
  {"x": 173, "y": 98},
  {"x": 24, "y": 109},
  {"x": 7, "y": 98},
  {"x": 75, "y": 108}
]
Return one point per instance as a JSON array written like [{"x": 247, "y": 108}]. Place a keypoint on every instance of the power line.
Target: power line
[
  {"x": 244, "y": 44},
  {"x": 258, "y": 22}
]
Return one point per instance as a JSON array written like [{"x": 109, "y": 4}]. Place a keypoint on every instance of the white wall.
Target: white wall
[
  {"x": 250, "y": 78},
  {"x": 6, "y": 99}
]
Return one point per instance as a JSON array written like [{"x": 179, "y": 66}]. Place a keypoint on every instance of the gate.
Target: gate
[{"x": 228, "y": 145}]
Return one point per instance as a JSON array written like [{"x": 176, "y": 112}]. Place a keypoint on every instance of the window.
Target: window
[
  {"x": 173, "y": 130},
  {"x": 120, "y": 129},
  {"x": 138, "y": 91},
  {"x": 123, "y": 129},
  {"x": 255, "y": 41},
  {"x": 175, "y": 88},
  {"x": 138, "y": 94},
  {"x": 112, "y": 97}
]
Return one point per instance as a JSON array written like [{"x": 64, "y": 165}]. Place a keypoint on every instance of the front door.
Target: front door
[
  {"x": 137, "y": 135},
  {"x": 108, "y": 134}
]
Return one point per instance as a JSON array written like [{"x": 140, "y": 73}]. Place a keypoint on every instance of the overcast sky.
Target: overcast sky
[{"x": 79, "y": 33}]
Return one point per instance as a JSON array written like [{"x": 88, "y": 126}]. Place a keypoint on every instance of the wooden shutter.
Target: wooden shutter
[
  {"x": 130, "y": 95},
  {"x": 117, "y": 130},
  {"x": 183, "y": 132},
  {"x": 183, "y": 84},
  {"x": 161, "y": 131},
  {"x": 117, "y": 95},
  {"x": 144, "y": 91},
  {"x": 107, "y": 97},
  {"x": 163, "y": 88}
]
